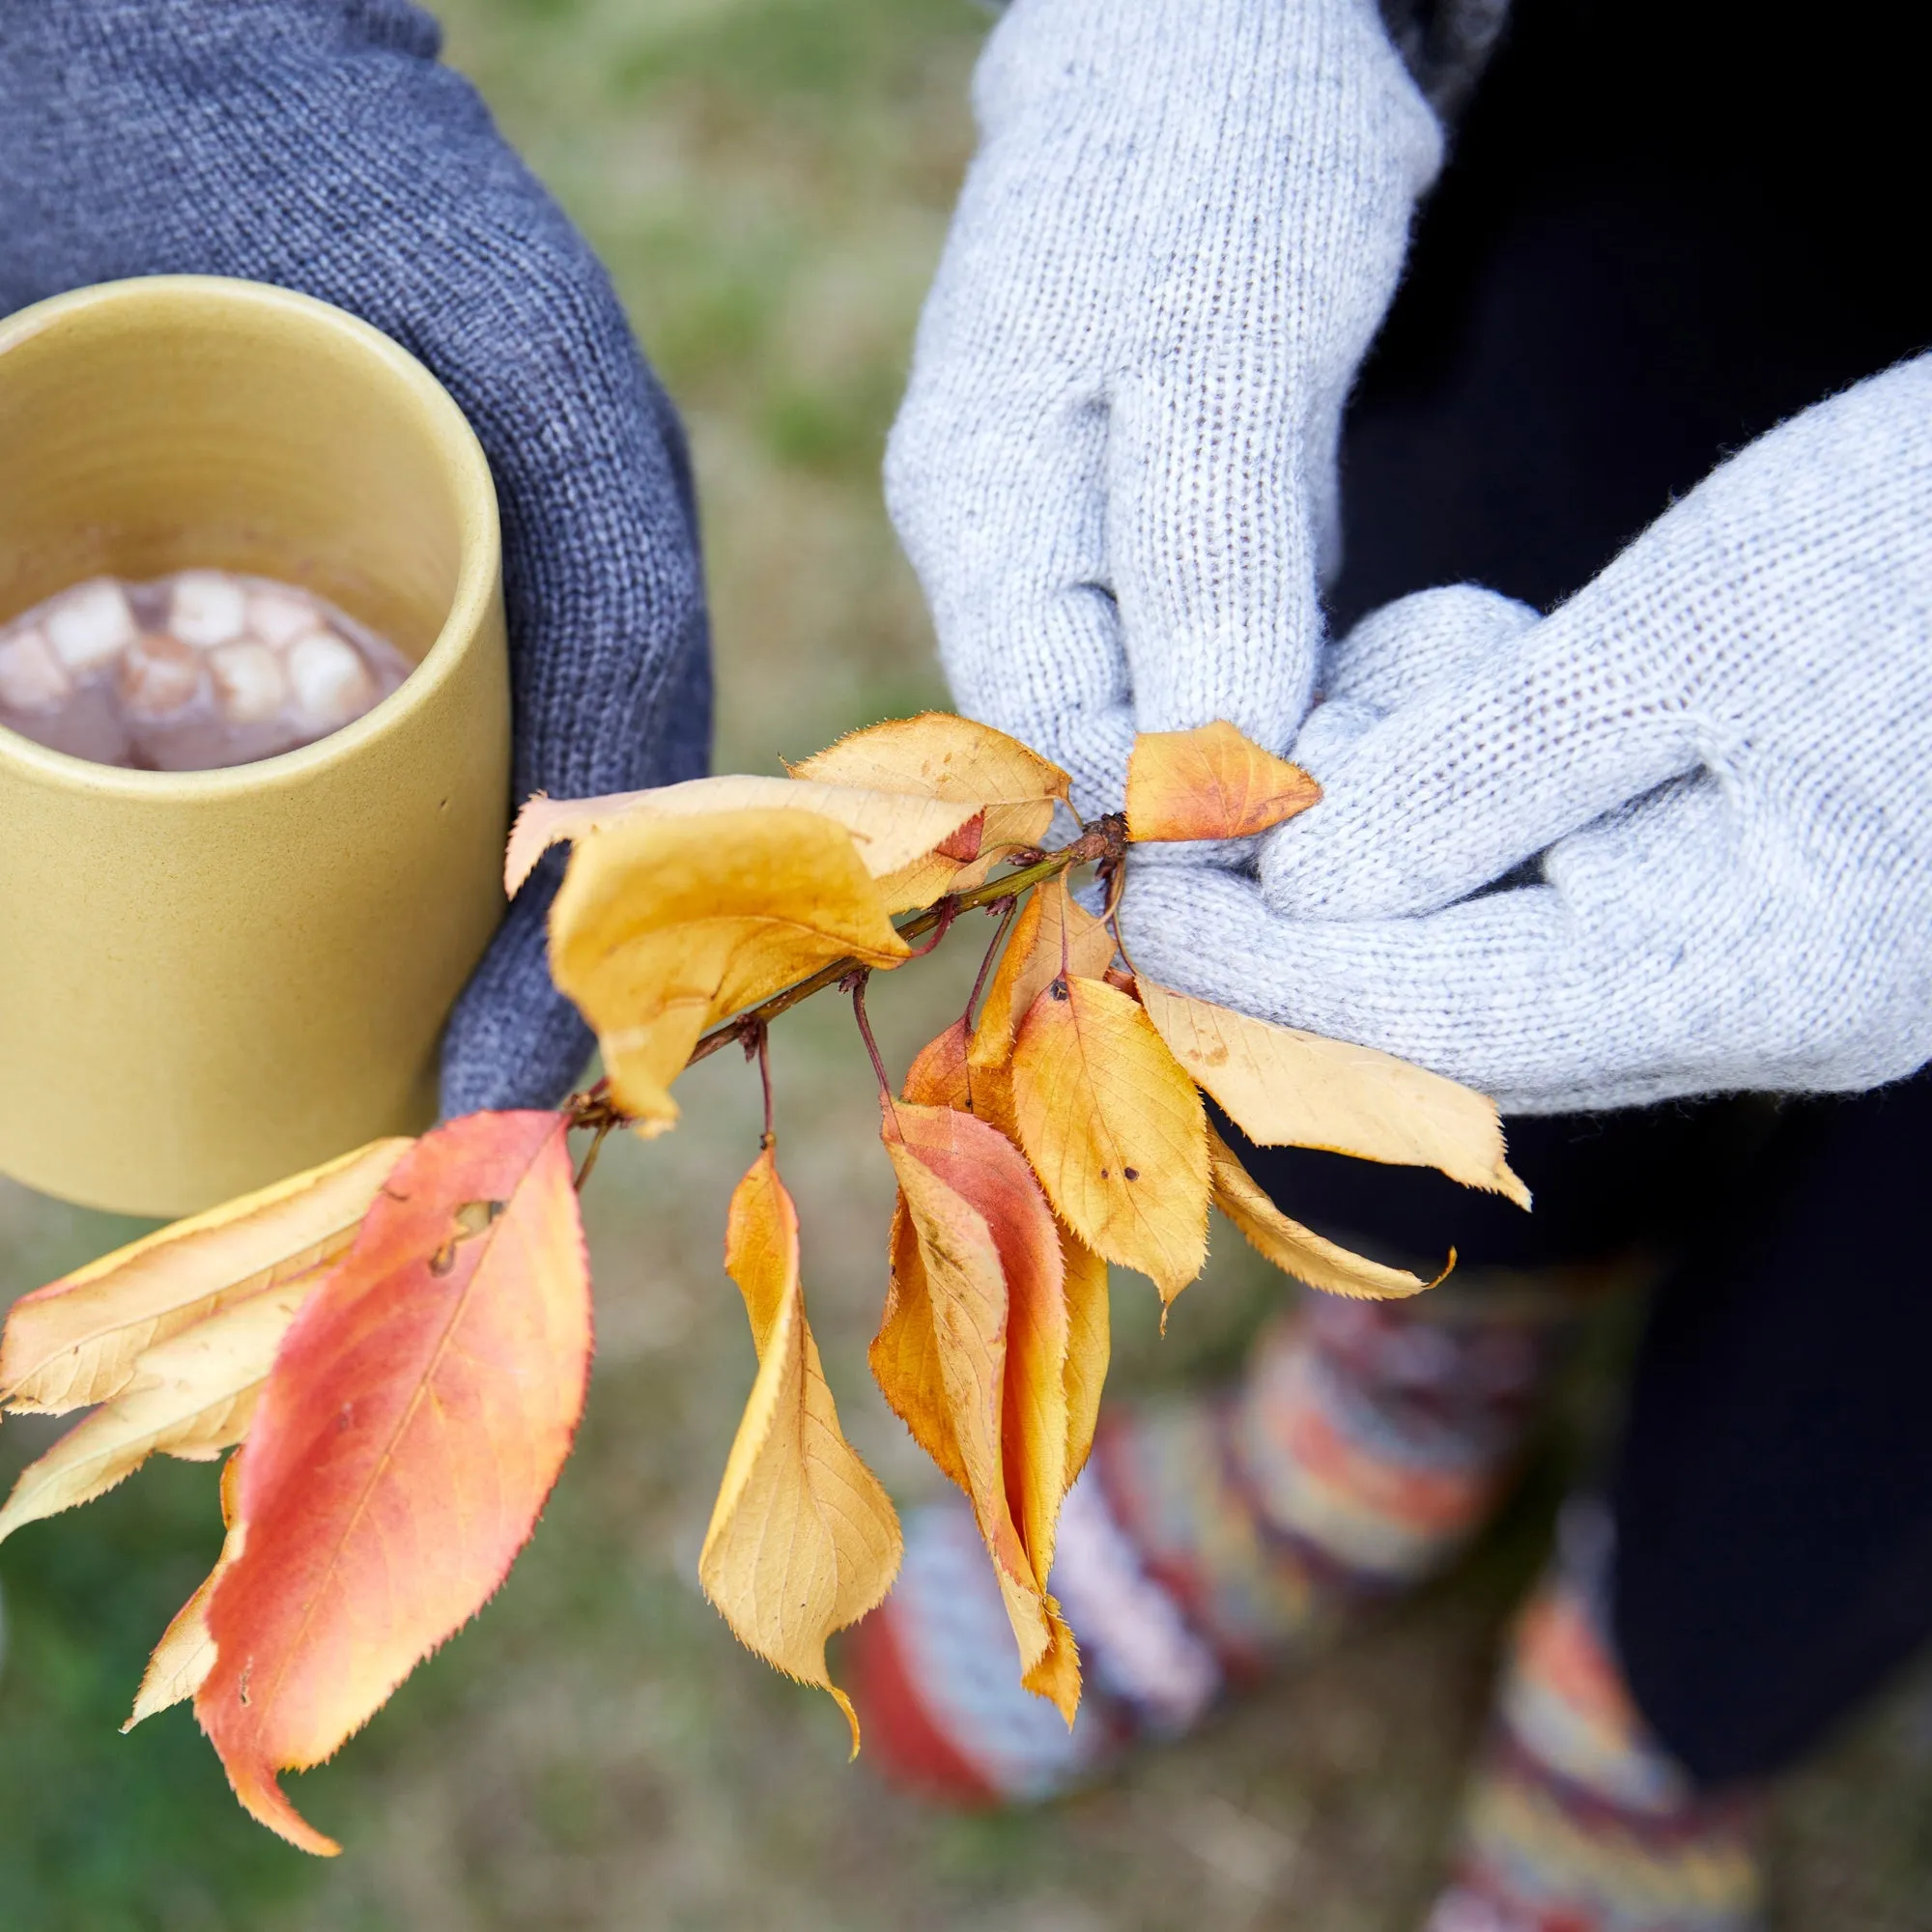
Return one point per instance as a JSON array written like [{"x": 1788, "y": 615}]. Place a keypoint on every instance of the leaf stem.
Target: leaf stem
[
  {"x": 858, "y": 983},
  {"x": 1006, "y": 912},
  {"x": 759, "y": 1043}
]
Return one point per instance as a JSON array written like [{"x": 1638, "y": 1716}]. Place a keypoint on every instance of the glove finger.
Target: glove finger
[
  {"x": 1396, "y": 654},
  {"x": 1398, "y": 651},
  {"x": 1519, "y": 994},
  {"x": 995, "y": 493},
  {"x": 1456, "y": 789},
  {"x": 1213, "y": 541},
  {"x": 513, "y": 1040}
]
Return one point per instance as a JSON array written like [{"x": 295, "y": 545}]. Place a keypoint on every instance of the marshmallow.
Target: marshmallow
[
  {"x": 159, "y": 677},
  {"x": 91, "y": 626},
  {"x": 280, "y": 617},
  {"x": 331, "y": 683},
  {"x": 31, "y": 677},
  {"x": 249, "y": 682},
  {"x": 207, "y": 609}
]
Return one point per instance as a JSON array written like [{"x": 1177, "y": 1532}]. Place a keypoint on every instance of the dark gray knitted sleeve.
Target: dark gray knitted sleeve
[{"x": 318, "y": 144}]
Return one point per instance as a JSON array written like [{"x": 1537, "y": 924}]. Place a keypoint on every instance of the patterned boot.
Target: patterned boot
[
  {"x": 1577, "y": 1820},
  {"x": 1210, "y": 1538}
]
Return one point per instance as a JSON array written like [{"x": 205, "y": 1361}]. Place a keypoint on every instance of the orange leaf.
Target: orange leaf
[
  {"x": 937, "y": 1077},
  {"x": 1114, "y": 1130},
  {"x": 667, "y": 926},
  {"x": 984, "y": 1272},
  {"x": 903, "y": 1359},
  {"x": 803, "y": 1540},
  {"x": 891, "y": 829},
  {"x": 416, "y": 1418},
  {"x": 76, "y": 1341},
  {"x": 938, "y": 755},
  {"x": 1286, "y": 1088},
  {"x": 1297, "y": 1250},
  {"x": 1211, "y": 783}
]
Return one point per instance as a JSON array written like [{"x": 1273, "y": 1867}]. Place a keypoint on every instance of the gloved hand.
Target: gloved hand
[
  {"x": 1115, "y": 468},
  {"x": 318, "y": 145},
  {"x": 1721, "y": 749}
]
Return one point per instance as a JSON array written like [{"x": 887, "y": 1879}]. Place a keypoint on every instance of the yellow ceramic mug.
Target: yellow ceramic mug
[{"x": 209, "y": 980}]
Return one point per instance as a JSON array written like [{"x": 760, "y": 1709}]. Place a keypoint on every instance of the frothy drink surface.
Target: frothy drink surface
[{"x": 189, "y": 673}]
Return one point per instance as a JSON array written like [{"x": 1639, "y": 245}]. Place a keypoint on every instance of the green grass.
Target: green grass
[{"x": 769, "y": 181}]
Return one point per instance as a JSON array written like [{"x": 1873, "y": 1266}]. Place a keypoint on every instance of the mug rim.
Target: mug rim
[{"x": 479, "y": 538}]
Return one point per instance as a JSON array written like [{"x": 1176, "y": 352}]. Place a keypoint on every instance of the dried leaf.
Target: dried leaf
[
  {"x": 1053, "y": 934},
  {"x": 416, "y": 1417},
  {"x": 192, "y": 1396},
  {"x": 1284, "y": 1088},
  {"x": 1114, "y": 1130},
  {"x": 938, "y": 755},
  {"x": 803, "y": 1540},
  {"x": 185, "y": 1654},
  {"x": 937, "y": 1076},
  {"x": 667, "y": 926},
  {"x": 891, "y": 828},
  {"x": 1211, "y": 783},
  {"x": 940, "y": 1077},
  {"x": 1088, "y": 1344},
  {"x": 1297, "y": 1250},
  {"x": 983, "y": 1272},
  {"x": 76, "y": 1341}
]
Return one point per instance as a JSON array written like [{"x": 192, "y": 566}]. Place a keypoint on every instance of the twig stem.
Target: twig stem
[{"x": 1103, "y": 840}]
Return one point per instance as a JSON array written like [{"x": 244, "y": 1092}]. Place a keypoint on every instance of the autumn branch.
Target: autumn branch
[{"x": 1104, "y": 843}]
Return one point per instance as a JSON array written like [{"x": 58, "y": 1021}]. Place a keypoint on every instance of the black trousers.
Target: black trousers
[{"x": 1663, "y": 232}]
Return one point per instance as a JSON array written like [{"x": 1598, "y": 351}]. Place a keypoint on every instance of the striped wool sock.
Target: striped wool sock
[
  {"x": 1210, "y": 1537},
  {"x": 1577, "y": 1820}
]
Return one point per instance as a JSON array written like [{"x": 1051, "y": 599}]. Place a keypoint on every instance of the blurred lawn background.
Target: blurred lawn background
[{"x": 769, "y": 181}]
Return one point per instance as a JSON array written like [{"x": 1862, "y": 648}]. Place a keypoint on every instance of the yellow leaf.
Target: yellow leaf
[
  {"x": 1053, "y": 934},
  {"x": 939, "y": 755},
  {"x": 185, "y": 1654},
  {"x": 664, "y": 926},
  {"x": 1114, "y": 1130},
  {"x": 1284, "y": 1088},
  {"x": 974, "y": 1352},
  {"x": 76, "y": 1341},
  {"x": 191, "y": 1396},
  {"x": 1211, "y": 783},
  {"x": 890, "y": 828},
  {"x": 1297, "y": 1250},
  {"x": 803, "y": 1540},
  {"x": 1088, "y": 1344}
]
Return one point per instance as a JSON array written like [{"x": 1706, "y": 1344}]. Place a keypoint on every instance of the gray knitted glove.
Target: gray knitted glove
[
  {"x": 1115, "y": 470},
  {"x": 1722, "y": 750},
  {"x": 319, "y": 145}
]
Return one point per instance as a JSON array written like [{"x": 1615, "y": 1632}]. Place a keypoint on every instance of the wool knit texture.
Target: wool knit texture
[
  {"x": 319, "y": 145},
  {"x": 1705, "y": 784},
  {"x": 1115, "y": 467}
]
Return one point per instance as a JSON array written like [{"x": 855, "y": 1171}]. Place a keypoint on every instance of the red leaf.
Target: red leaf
[
  {"x": 413, "y": 1422},
  {"x": 964, "y": 845}
]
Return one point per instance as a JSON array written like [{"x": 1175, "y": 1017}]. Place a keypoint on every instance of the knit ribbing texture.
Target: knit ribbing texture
[
  {"x": 319, "y": 145},
  {"x": 1704, "y": 783},
  {"x": 1115, "y": 468}
]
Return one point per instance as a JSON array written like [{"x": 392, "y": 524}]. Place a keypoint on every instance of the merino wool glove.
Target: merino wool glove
[
  {"x": 1719, "y": 753},
  {"x": 1115, "y": 467},
  {"x": 319, "y": 145}
]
